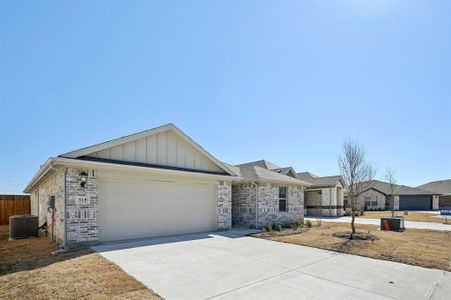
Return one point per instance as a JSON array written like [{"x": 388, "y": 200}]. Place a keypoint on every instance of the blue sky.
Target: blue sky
[{"x": 287, "y": 81}]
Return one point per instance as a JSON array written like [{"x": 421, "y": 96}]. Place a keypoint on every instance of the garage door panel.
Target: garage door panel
[
  {"x": 133, "y": 210},
  {"x": 415, "y": 202}
]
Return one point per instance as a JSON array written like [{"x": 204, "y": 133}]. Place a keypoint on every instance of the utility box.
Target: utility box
[
  {"x": 394, "y": 224},
  {"x": 23, "y": 226},
  {"x": 51, "y": 203}
]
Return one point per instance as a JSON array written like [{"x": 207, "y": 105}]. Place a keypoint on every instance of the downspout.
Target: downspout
[
  {"x": 256, "y": 204},
  {"x": 330, "y": 201},
  {"x": 64, "y": 207},
  {"x": 64, "y": 211}
]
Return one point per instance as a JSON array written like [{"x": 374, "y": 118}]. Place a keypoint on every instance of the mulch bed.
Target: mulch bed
[
  {"x": 364, "y": 236},
  {"x": 283, "y": 232}
]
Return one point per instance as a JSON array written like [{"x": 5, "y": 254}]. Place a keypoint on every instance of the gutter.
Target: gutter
[
  {"x": 52, "y": 161},
  {"x": 38, "y": 176},
  {"x": 64, "y": 210},
  {"x": 256, "y": 204},
  {"x": 92, "y": 164},
  {"x": 300, "y": 183}
]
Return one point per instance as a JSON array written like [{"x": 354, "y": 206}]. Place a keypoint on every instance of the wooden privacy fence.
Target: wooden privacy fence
[{"x": 11, "y": 205}]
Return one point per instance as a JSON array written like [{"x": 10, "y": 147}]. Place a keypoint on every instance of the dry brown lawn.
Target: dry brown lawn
[
  {"x": 426, "y": 248},
  {"x": 28, "y": 270},
  {"x": 412, "y": 216}
]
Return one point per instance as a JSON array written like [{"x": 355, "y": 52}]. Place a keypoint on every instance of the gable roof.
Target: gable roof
[
  {"x": 441, "y": 187},
  {"x": 289, "y": 171},
  {"x": 384, "y": 188},
  {"x": 251, "y": 172},
  {"x": 86, "y": 151},
  {"x": 84, "y": 158},
  {"x": 260, "y": 163},
  {"x": 316, "y": 181}
]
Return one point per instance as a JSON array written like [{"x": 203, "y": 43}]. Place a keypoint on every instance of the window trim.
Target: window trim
[{"x": 283, "y": 199}]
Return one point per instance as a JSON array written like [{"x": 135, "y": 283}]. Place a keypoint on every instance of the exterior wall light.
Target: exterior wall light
[{"x": 83, "y": 179}]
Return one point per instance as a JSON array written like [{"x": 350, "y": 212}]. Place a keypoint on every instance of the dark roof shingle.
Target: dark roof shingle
[
  {"x": 317, "y": 181},
  {"x": 441, "y": 187}
]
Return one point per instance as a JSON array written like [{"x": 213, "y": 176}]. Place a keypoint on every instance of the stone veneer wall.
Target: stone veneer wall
[
  {"x": 435, "y": 202},
  {"x": 268, "y": 205},
  {"x": 81, "y": 208},
  {"x": 313, "y": 198},
  {"x": 224, "y": 208},
  {"x": 328, "y": 200},
  {"x": 392, "y": 202},
  {"x": 53, "y": 185},
  {"x": 396, "y": 203},
  {"x": 243, "y": 205},
  {"x": 375, "y": 195}
]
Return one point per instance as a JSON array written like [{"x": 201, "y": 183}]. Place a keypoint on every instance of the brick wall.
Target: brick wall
[
  {"x": 243, "y": 205},
  {"x": 224, "y": 208},
  {"x": 374, "y": 195},
  {"x": 81, "y": 207},
  {"x": 53, "y": 185},
  {"x": 268, "y": 205}
]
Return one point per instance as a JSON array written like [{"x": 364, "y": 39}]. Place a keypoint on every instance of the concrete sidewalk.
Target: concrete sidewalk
[
  {"x": 408, "y": 224},
  {"x": 229, "y": 265}
]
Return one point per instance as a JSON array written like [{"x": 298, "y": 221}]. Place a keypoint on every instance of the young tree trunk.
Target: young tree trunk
[{"x": 352, "y": 223}]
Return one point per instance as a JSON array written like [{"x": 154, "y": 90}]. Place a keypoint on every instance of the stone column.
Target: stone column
[
  {"x": 224, "y": 208},
  {"x": 395, "y": 202},
  {"x": 81, "y": 208},
  {"x": 435, "y": 202}
]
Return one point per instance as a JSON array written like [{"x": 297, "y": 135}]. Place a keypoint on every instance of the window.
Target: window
[
  {"x": 282, "y": 198},
  {"x": 367, "y": 201}
]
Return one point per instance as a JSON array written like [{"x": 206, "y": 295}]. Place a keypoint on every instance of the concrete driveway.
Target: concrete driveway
[
  {"x": 408, "y": 224},
  {"x": 230, "y": 265}
]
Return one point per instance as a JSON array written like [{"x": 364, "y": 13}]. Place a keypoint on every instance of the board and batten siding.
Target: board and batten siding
[{"x": 165, "y": 148}]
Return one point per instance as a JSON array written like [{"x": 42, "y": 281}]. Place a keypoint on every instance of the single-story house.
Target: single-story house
[
  {"x": 266, "y": 194},
  {"x": 154, "y": 183},
  {"x": 378, "y": 196},
  {"x": 324, "y": 196},
  {"x": 442, "y": 187}
]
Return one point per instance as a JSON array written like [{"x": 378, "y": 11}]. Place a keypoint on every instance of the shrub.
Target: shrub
[
  {"x": 268, "y": 227},
  {"x": 296, "y": 225},
  {"x": 286, "y": 225},
  {"x": 277, "y": 227},
  {"x": 308, "y": 223}
]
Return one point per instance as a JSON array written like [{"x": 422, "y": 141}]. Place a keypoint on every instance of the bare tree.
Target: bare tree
[
  {"x": 319, "y": 211},
  {"x": 356, "y": 172},
  {"x": 390, "y": 177}
]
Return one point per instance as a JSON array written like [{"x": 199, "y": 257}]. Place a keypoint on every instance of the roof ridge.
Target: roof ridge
[{"x": 329, "y": 176}]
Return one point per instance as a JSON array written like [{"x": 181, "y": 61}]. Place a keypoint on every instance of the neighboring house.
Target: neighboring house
[
  {"x": 378, "y": 196},
  {"x": 153, "y": 183},
  {"x": 324, "y": 196},
  {"x": 442, "y": 187},
  {"x": 266, "y": 193}
]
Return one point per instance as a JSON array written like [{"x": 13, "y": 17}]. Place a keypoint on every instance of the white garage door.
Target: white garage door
[{"x": 128, "y": 210}]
